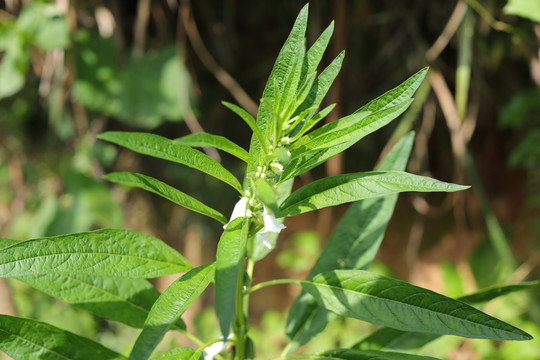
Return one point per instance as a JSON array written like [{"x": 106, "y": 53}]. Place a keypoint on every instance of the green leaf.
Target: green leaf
[
  {"x": 407, "y": 341},
  {"x": 529, "y": 9},
  {"x": 30, "y": 339},
  {"x": 168, "y": 192},
  {"x": 398, "y": 95},
  {"x": 314, "y": 54},
  {"x": 352, "y": 245},
  {"x": 326, "y": 143},
  {"x": 163, "y": 148},
  {"x": 250, "y": 121},
  {"x": 397, "y": 304},
  {"x": 168, "y": 308},
  {"x": 229, "y": 272},
  {"x": 125, "y": 300},
  {"x": 183, "y": 353},
  {"x": 309, "y": 124},
  {"x": 265, "y": 192},
  {"x": 202, "y": 139},
  {"x": 107, "y": 252},
  {"x": 349, "y": 354},
  {"x": 341, "y": 189},
  {"x": 322, "y": 85}
]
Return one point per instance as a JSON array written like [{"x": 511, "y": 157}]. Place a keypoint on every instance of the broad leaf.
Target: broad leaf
[
  {"x": 398, "y": 95},
  {"x": 323, "y": 145},
  {"x": 168, "y": 308},
  {"x": 166, "y": 149},
  {"x": 352, "y": 245},
  {"x": 230, "y": 272},
  {"x": 107, "y": 252},
  {"x": 397, "y": 304},
  {"x": 202, "y": 139},
  {"x": 349, "y": 354},
  {"x": 168, "y": 192},
  {"x": 30, "y": 339},
  {"x": 183, "y": 353},
  {"x": 341, "y": 189},
  {"x": 388, "y": 338},
  {"x": 125, "y": 300}
]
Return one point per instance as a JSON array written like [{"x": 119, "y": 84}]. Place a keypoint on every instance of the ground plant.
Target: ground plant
[{"x": 106, "y": 271}]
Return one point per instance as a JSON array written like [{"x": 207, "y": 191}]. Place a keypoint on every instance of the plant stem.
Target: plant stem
[{"x": 274, "y": 282}]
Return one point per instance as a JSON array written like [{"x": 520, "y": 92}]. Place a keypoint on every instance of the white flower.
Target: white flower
[
  {"x": 214, "y": 350},
  {"x": 270, "y": 226},
  {"x": 238, "y": 211}
]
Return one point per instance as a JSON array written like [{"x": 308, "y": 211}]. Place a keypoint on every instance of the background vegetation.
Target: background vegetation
[{"x": 70, "y": 70}]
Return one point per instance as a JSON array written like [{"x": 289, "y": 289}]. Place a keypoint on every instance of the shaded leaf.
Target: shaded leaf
[
  {"x": 249, "y": 120},
  {"x": 349, "y": 354},
  {"x": 183, "y": 353},
  {"x": 202, "y": 139},
  {"x": 340, "y": 189},
  {"x": 168, "y": 192},
  {"x": 352, "y": 245},
  {"x": 30, "y": 339},
  {"x": 265, "y": 192},
  {"x": 107, "y": 252},
  {"x": 229, "y": 271},
  {"x": 169, "y": 307},
  {"x": 163, "y": 148},
  {"x": 397, "y": 304}
]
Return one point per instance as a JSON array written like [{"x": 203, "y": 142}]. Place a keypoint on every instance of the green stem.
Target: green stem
[
  {"x": 241, "y": 306},
  {"x": 192, "y": 337},
  {"x": 463, "y": 71},
  {"x": 274, "y": 282}
]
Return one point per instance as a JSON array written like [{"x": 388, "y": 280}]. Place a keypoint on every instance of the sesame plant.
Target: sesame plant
[{"x": 106, "y": 271}]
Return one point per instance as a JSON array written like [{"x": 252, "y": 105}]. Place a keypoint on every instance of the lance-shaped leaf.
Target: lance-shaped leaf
[
  {"x": 314, "y": 54},
  {"x": 229, "y": 271},
  {"x": 166, "y": 149},
  {"x": 396, "y": 96},
  {"x": 341, "y": 189},
  {"x": 164, "y": 190},
  {"x": 352, "y": 245},
  {"x": 202, "y": 139},
  {"x": 384, "y": 301},
  {"x": 30, "y": 339},
  {"x": 169, "y": 307},
  {"x": 183, "y": 353},
  {"x": 348, "y": 354},
  {"x": 327, "y": 143},
  {"x": 284, "y": 65},
  {"x": 388, "y": 338},
  {"x": 107, "y": 252},
  {"x": 250, "y": 121}
]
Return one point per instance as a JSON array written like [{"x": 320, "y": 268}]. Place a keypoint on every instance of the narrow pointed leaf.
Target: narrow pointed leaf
[
  {"x": 398, "y": 95},
  {"x": 248, "y": 120},
  {"x": 30, "y": 339},
  {"x": 326, "y": 143},
  {"x": 168, "y": 192},
  {"x": 341, "y": 189},
  {"x": 202, "y": 139},
  {"x": 349, "y": 354},
  {"x": 314, "y": 54},
  {"x": 309, "y": 124},
  {"x": 168, "y": 308},
  {"x": 107, "y": 252},
  {"x": 388, "y": 338},
  {"x": 352, "y": 245},
  {"x": 163, "y": 148},
  {"x": 229, "y": 272},
  {"x": 397, "y": 304},
  {"x": 183, "y": 353},
  {"x": 265, "y": 192},
  {"x": 282, "y": 67}
]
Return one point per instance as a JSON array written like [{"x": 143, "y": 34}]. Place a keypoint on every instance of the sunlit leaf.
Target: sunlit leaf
[
  {"x": 168, "y": 192},
  {"x": 107, "y": 252},
  {"x": 166, "y": 149},
  {"x": 168, "y": 308},
  {"x": 183, "y": 353},
  {"x": 30, "y": 339},
  {"x": 349, "y": 354}
]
